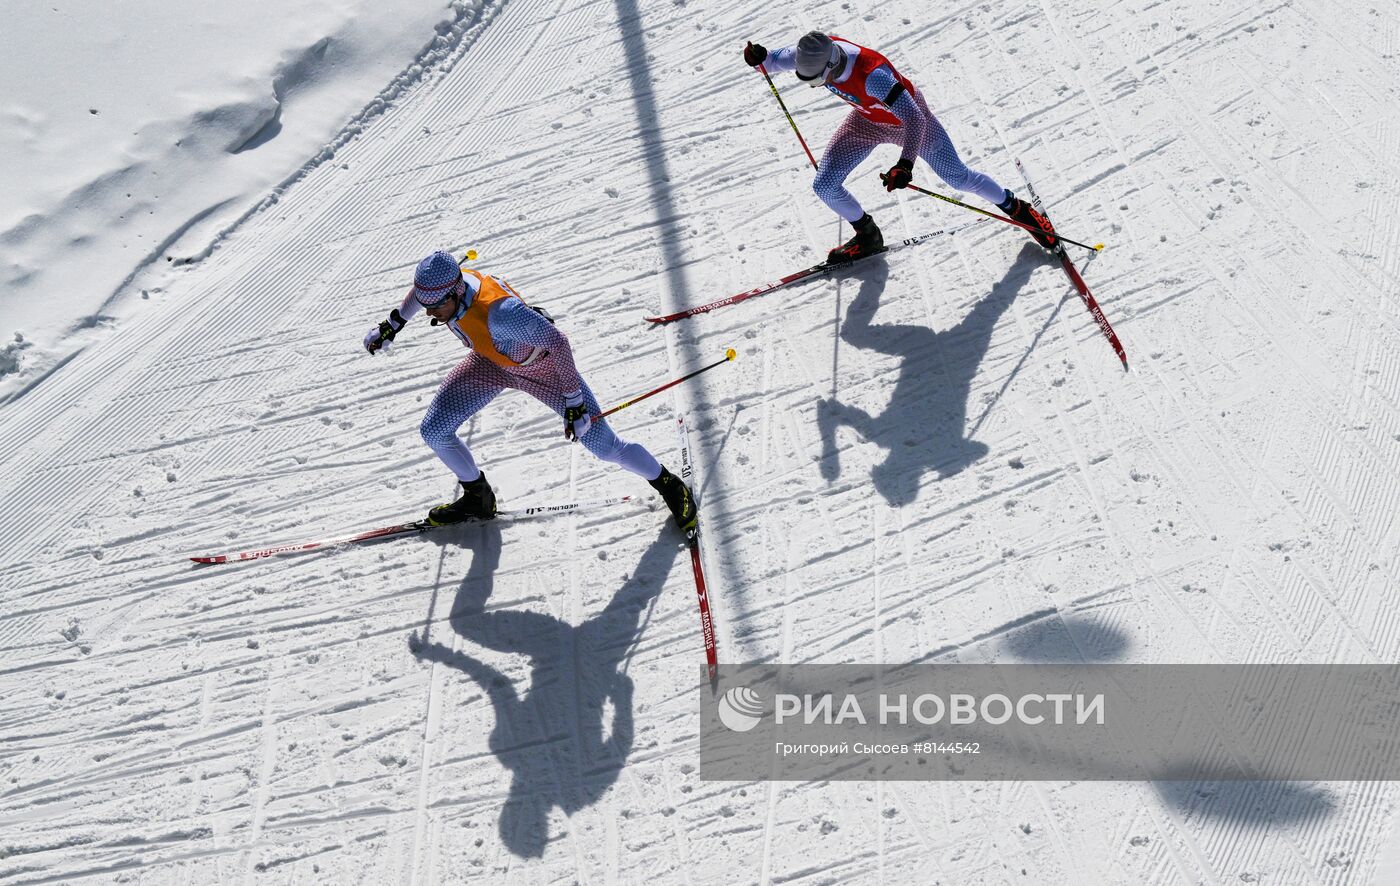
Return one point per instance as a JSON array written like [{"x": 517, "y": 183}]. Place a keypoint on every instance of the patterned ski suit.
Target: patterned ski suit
[
  {"x": 888, "y": 109},
  {"x": 513, "y": 346}
]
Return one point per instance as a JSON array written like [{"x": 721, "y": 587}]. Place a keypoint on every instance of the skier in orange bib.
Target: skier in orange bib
[{"x": 513, "y": 346}]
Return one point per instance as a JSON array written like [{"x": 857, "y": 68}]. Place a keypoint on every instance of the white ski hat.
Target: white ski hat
[{"x": 816, "y": 55}]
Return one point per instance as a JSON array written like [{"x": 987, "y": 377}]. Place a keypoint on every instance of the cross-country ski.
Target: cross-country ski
[
  {"x": 817, "y": 270},
  {"x": 702, "y": 591},
  {"x": 1075, "y": 277},
  {"x": 409, "y": 528}
]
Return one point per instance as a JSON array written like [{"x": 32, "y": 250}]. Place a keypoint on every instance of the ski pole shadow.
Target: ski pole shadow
[
  {"x": 922, "y": 427},
  {"x": 552, "y": 736}
]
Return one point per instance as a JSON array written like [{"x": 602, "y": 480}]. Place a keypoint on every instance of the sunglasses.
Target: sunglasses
[
  {"x": 832, "y": 65},
  {"x": 455, "y": 289}
]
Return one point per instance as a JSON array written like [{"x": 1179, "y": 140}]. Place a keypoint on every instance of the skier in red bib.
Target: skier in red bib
[
  {"x": 513, "y": 345},
  {"x": 888, "y": 109}
]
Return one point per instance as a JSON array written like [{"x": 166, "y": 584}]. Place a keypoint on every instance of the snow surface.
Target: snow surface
[
  {"x": 136, "y": 134},
  {"x": 991, "y": 486}
]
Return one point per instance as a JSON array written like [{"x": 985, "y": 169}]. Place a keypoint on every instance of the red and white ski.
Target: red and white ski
[
  {"x": 813, "y": 271},
  {"x": 1075, "y": 278},
  {"x": 404, "y": 529},
  {"x": 707, "y": 625}
]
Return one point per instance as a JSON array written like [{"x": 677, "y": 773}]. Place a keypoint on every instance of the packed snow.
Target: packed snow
[
  {"x": 136, "y": 136},
  {"x": 931, "y": 457}
]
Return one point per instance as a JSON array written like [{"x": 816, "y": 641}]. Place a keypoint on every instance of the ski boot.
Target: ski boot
[
  {"x": 678, "y": 499},
  {"x": 478, "y": 502},
  {"x": 1026, "y": 214},
  {"x": 867, "y": 241}
]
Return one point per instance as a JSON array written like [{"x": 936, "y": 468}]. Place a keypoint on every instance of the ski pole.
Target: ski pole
[
  {"x": 764, "y": 71},
  {"x": 729, "y": 354},
  {"x": 1009, "y": 221}
]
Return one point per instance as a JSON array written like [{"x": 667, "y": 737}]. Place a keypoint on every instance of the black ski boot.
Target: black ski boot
[
  {"x": 867, "y": 241},
  {"x": 1026, "y": 214},
  {"x": 478, "y": 502},
  {"x": 678, "y": 499}
]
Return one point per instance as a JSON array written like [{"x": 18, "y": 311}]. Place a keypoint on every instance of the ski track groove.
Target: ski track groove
[
  {"x": 1280, "y": 491},
  {"x": 432, "y": 718},
  {"x": 1076, "y": 449},
  {"x": 1303, "y": 380}
]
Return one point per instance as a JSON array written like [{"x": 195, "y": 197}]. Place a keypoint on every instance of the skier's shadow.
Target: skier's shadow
[
  {"x": 553, "y": 738},
  {"x": 922, "y": 427}
]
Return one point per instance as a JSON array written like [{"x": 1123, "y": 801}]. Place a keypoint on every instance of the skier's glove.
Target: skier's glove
[
  {"x": 754, "y": 54},
  {"x": 576, "y": 419},
  {"x": 380, "y": 337},
  {"x": 900, "y": 174}
]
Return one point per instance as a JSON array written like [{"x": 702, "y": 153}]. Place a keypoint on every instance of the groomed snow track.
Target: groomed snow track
[{"x": 936, "y": 458}]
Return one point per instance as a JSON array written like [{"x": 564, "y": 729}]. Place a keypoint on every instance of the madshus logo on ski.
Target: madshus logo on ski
[{"x": 740, "y": 709}]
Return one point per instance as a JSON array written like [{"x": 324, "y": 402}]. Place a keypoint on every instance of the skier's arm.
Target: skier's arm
[
  {"x": 410, "y": 307},
  {"x": 514, "y": 320},
  {"x": 778, "y": 60},
  {"x": 891, "y": 93}
]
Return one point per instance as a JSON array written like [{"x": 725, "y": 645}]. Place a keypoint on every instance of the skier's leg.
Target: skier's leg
[
  {"x": 467, "y": 388},
  {"x": 939, "y": 153},
  {"x": 600, "y": 439},
  {"x": 604, "y": 443},
  {"x": 851, "y": 144},
  {"x": 608, "y": 446}
]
